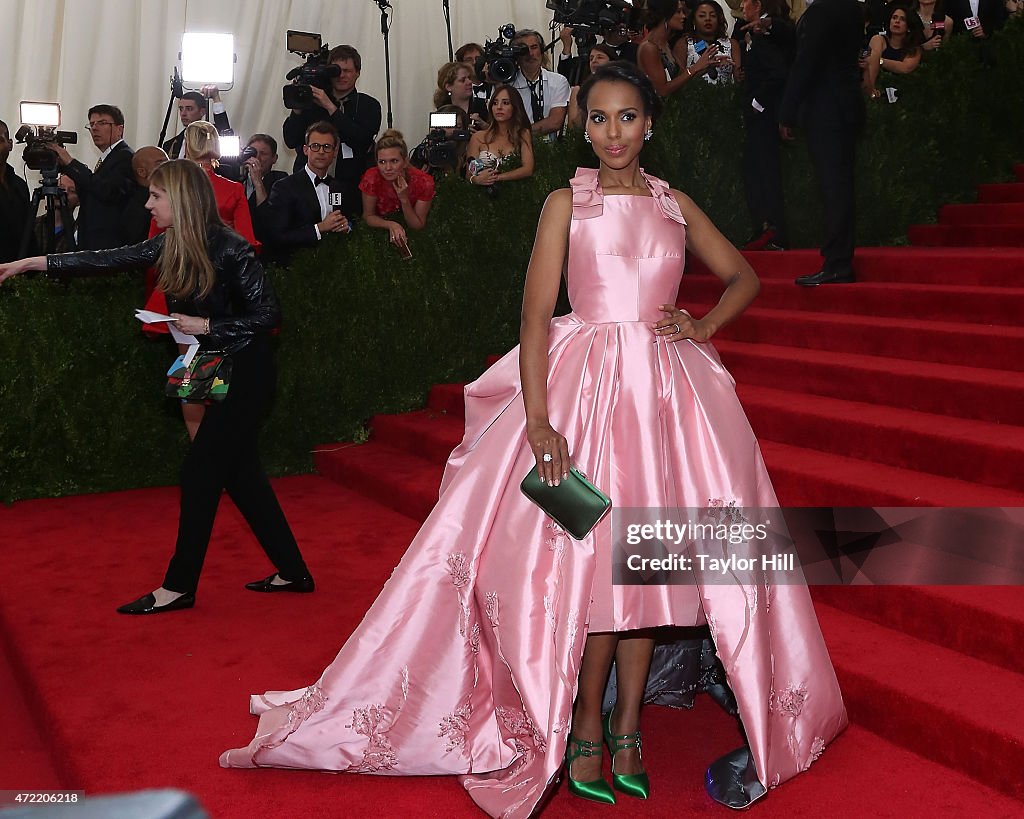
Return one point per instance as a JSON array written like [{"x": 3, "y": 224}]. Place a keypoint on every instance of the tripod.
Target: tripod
[
  {"x": 446, "y": 8},
  {"x": 56, "y": 200},
  {"x": 176, "y": 91},
  {"x": 385, "y": 29}
]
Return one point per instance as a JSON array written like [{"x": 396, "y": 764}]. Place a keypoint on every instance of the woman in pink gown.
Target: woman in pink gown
[{"x": 495, "y": 622}]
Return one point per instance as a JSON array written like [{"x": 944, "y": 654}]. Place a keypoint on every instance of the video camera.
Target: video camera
[
  {"x": 443, "y": 140},
  {"x": 500, "y": 55},
  {"x": 315, "y": 71},
  {"x": 39, "y": 129},
  {"x": 595, "y": 16}
]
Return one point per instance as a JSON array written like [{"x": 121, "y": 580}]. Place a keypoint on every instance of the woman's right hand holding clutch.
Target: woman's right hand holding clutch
[{"x": 551, "y": 450}]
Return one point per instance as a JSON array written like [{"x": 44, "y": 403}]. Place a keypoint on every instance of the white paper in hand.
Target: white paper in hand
[{"x": 149, "y": 317}]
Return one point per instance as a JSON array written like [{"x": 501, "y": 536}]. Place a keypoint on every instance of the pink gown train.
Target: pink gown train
[{"x": 467, "y": 662}]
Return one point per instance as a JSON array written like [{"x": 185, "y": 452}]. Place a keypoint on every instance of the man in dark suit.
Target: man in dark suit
[
  {"x": 105, "y": 190},
  {"x": 990, "y": 14},
  {"x": 192, "y": 107},
  {"x": 14, "y": 202},
  {"x": 135, "y": 223},
  {"x": 260, "y": 177},
  {"x": 299, "y": 212},
  {"x": 356, "y": 117},
  {"x": 823, "y": 95}
]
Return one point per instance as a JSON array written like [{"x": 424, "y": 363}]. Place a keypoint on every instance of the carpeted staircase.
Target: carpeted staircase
[{"x": 904, "y": 389}]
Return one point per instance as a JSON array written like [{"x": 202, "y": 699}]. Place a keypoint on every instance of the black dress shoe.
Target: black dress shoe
[
  {"x": 304, "y": 586},
  {"x": 147, "y": 605},
  {"x": 826, "y": 277}
]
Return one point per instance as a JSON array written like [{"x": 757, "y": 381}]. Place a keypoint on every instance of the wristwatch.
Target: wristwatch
[{"x": 881, "y": 60}]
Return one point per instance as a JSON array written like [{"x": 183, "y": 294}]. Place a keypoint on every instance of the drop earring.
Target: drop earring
[
  {"x": 648, "y": 135},
  {"x": 586, "y": 136}
]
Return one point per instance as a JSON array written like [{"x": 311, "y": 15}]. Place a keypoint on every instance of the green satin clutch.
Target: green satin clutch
[{"x": 575, "y": 504}]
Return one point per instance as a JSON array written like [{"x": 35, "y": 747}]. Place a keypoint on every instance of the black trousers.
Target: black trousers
[
  {"x": 762, "y": 171},
  {"x": 224, "y": 456},
  {"x": 831, "y": 141}
]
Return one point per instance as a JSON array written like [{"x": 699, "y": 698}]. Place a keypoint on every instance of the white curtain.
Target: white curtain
[{"x": 84, "y": 52}]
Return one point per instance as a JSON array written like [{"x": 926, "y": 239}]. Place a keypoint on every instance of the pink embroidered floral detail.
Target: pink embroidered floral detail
[
  {"x": 775, "y": 781},
  {"x": 455, "y": 727},
  {"x": 718, "y": 510},
  {"x": 788, "y": 701},
  {"x": 458, "y": 568},
  {"x": 474, "y": 639},
  {"x": 556, "y": 538},
  {"x": 491, "y": 607},
  {"x": 524, "y": 733},
  {"x": 817, "y": 749},
  {"x": 371, "y": 722},
  {"x": 311, "y": 701}
]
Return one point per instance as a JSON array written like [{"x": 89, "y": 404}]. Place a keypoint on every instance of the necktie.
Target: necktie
[{"x": 96, "y": 167}]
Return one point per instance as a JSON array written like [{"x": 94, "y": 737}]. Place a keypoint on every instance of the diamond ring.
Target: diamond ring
[{"x": 547, "y": 457}]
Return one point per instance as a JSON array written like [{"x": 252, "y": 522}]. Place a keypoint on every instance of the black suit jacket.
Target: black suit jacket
[
  {"x": 257, "y": 211},
  {"x": 991, "y": 13},
  {"x": 357, "y": 126},
  {"x": 825, "y": 78},
  {"x": 288, "y": 217},
  {"x": 104, "y": 194},
  {"x": 172, "y": 147},
  {"x": 14, "y": 204}
]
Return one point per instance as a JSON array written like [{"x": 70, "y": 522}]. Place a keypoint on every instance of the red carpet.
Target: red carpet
[
  {"x": 996, "y": 219},
  {"x": 902, "y": 389}
]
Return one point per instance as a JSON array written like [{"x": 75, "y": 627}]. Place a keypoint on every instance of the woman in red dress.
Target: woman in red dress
[{"x": 393, "y": 186}]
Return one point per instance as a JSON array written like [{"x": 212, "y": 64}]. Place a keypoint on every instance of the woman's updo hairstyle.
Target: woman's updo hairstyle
[
  {"x": 621, "y": 71},
  {"x": 392, "y": 138}
]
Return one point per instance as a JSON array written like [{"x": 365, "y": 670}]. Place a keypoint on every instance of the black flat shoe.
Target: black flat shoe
[
  {"x": 147, "y": 605},
  {"x": 826, "y": 277},
  {"x": 304, "y": 586}
]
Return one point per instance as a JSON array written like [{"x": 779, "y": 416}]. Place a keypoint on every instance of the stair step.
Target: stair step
[
  {"x": 1018, "y": 171},
  {"x": 955, "y": 303},
  {"x": 395, "y": 479},
  {"x": 808, "y": 477},
  {"x": 1000, "y": 267},
  {"x": 998, "y": 347},
  {"x": 976, "y": 451},
  {"x": 1001, "y": 192},
  {"x": 966, "y": 235},
  {"x": 920, "y": 695},
  {"x": 427, "y": 434},
  {"x": 926, "y": 387},
  {"x": 949, "y": 616},
  {"x": 986, "y": 213}
]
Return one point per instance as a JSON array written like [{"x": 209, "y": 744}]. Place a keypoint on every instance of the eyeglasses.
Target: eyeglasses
[
  {"x": 316, "y": 147},
  {"x": 89, "y": 126}
]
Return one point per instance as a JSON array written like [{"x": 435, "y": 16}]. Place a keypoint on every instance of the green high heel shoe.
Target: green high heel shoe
[
  {"x": 597, "y": 790},
  {"x": 637, "y": 785}
]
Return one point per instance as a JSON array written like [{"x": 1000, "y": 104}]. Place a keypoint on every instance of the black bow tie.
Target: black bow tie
[{"x": 320, "y": 180}]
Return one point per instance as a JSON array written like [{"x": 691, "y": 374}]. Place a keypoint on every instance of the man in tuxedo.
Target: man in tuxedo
[
  {"x": 260, "y": 177},
  {"x": 299, "y": 212},
  {"x": 14, "y": 202},
  {"x": 105, "y": 190},
  {"x": 192, "y": 107},
  {"x": 355, "y": 116},
  {"x": 823, "y": 95},
  {"x": 990, "y": 14}
]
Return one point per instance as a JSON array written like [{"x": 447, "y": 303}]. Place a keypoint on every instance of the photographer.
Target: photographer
[
  {"x": 106, "y": 189},
  {"x": 14, "y": 201},
  {"x": 192, "y": 107},
  {"x": 455, "y": 83},
  {"x": 545, "y": 93},
  {"x": 420, "y": 156},
  {"x": 260, "y": 176},
  {"x": 710, "y": 52},
  {"x": 356, "y": 117}
]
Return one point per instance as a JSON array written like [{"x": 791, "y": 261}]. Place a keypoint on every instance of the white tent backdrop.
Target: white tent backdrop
[{"x": 84, "y": 52}]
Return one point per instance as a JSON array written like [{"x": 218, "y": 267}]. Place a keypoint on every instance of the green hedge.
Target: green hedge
[{"x": 81, "y": 406}]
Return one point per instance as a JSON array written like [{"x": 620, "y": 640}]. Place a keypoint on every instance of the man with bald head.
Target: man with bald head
[{"x": 136, "y": 217}]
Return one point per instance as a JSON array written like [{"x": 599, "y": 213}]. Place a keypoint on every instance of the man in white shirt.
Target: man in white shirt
[{"x": 545, "y": 93}]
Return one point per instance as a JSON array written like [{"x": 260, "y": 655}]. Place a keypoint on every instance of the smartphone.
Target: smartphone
[
  {"x": 700, "y": 47},
  {"x": 403, "y": 252}
]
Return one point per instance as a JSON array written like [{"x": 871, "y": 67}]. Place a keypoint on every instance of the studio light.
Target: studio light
[
  {"x": 207, "y": 59},
  {"x": 229, "y": 145},
  {"x": 40, "y": 113}
]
